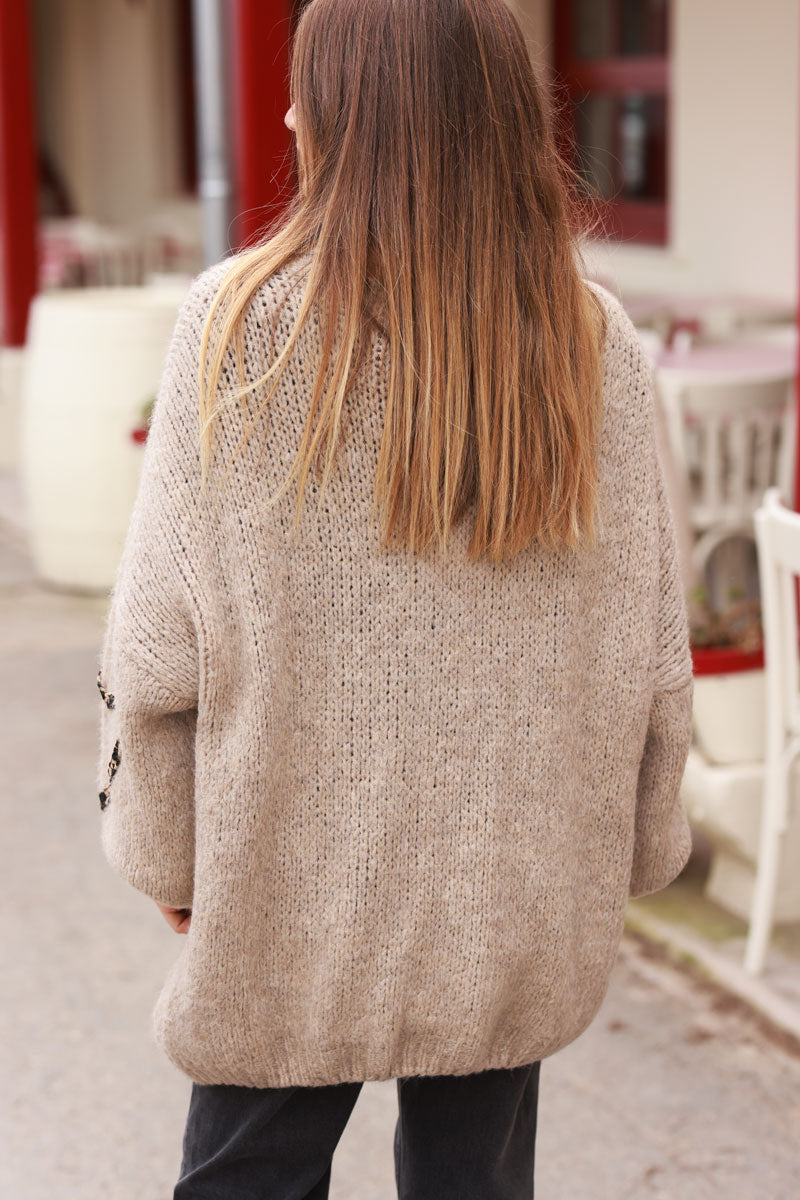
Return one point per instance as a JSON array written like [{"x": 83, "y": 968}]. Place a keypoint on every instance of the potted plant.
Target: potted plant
[
  {"x": 723, "y": 783},
  {"x": 140, "y": 431},
  {"x": 728, "y": 659}
]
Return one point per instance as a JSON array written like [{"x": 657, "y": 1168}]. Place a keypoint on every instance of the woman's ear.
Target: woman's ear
[{"x": 289, "y": 119}]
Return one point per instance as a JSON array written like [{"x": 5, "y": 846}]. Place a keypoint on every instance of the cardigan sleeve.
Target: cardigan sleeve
[
  {"x": 149, "y": 665},
  {"x": 662, "y": 836}
]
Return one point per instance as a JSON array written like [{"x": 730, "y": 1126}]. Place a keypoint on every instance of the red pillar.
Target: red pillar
[
  {"x": 260, "y": 80},
  {"x": 797, "y": 381},
  {"x": 18, "y": 201}
]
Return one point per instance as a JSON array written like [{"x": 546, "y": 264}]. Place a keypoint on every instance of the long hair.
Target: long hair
[{"x": 431, "y": 192}]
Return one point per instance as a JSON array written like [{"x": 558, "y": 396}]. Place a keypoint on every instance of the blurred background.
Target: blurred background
[{"x": 143, "y": 139}]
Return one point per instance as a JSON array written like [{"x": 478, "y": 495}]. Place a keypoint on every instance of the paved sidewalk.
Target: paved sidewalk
[{"x": 674, "y": 1093}]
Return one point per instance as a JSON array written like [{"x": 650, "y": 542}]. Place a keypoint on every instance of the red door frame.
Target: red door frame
[
  {"x": 260, "y": 85},
  {"x": 635, "y": 221},
  {"x": 18, "y": 200}
]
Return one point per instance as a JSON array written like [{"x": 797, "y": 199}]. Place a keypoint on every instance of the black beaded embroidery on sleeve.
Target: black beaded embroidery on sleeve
[
  {"x": 113, "y": 766},
  {"x": 108, "y": 698}
]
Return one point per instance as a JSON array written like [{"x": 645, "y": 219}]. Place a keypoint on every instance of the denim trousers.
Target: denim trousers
[{"x": 457, "y": 1137}]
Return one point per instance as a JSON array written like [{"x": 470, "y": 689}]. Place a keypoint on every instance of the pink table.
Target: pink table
[
  {"x": 686, "y": 307},
  {"x": 730, "y": 360}
]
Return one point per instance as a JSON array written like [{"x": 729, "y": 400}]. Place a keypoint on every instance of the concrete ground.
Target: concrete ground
[
  {"x": 694, "y": 928},
  {"x": 675, "y": 1092}
]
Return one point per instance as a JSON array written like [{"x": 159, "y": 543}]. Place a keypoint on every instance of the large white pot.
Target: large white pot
[
  {"x": 728, "y": 716},
  {"x": 12, "y": 360},
  {"x": 725, "y": 802},
  {"x": 95, "y": 356}
]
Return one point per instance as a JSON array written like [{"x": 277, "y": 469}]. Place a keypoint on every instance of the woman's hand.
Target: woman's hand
[{"x": 178, "y": 918}]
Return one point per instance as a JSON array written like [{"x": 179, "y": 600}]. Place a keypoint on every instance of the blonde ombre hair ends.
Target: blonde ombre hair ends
[{"x": 431, "y": 192}]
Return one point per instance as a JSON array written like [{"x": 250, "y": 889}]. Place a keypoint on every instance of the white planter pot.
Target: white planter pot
[
  {"x": 728, "y": 715},
  {"x": 12, "y": 360},
  {"x": 95, "y": 356},
  {"x": 725, "y": 802}
]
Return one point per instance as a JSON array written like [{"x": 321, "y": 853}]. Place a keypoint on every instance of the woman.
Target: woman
[{"x": 396, "y": 678}]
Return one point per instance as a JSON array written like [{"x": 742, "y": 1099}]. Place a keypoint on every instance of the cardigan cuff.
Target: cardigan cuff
[
  {"x": 168, "y": 880},
  {"x": 662, "y": 836},
  {"x": 147, "y": 797}
]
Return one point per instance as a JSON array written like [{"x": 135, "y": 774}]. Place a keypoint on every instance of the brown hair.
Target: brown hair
[{"x": 429, "y": 177}]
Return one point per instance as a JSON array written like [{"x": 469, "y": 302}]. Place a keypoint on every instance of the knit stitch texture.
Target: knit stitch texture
[{"x": 406, "y": 797}]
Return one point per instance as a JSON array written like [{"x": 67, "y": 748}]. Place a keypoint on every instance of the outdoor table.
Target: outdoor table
[
  {"x": 713, "y": 311},
  {"x": 727, "y": 362}
]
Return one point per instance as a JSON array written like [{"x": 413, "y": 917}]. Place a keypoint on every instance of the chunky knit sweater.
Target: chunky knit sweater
[{"x": 406, "y": 797}]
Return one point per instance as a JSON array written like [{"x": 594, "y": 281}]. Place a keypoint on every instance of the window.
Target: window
[{"x": 612, "y": 68}]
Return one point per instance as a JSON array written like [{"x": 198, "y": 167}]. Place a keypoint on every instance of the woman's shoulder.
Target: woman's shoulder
[
  {"x": 205, "y": 286},
  {"x": 627, "y": 368},
  {"x": 620, "y": 324}
]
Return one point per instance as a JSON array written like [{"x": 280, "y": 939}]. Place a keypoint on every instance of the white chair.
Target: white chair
[
  {"x": 733, "y": 438},
  {"x": 102, "y": 255},
  {"x": 778, "y": 542},
  {"x": 786, "y": 333},
  {"x": 172, "y": 238}
]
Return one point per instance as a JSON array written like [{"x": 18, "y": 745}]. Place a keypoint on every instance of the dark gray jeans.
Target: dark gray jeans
[{"x": 458, "y": 1137}]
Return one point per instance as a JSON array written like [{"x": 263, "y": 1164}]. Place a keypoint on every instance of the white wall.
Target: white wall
[
  {"x": 733, "y": 169},
  {"x": 108, "y": 101},
  {"x": 536, "y": 21}
]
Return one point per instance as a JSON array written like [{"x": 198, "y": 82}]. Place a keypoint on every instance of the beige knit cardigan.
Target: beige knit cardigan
[{"x": 407, "y": 798}]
